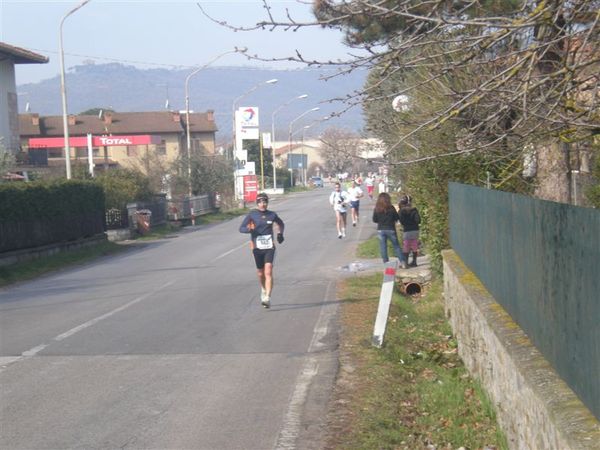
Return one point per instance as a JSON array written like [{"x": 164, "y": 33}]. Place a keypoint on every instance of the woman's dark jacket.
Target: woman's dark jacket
[
  {"x": 410, "y": 218},
  {"x": 386, "y": 220}
]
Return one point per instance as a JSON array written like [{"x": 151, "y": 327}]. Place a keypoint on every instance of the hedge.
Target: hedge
[{"x": 41, "y": 213}]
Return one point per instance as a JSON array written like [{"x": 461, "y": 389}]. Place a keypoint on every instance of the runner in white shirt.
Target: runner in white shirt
[
  {"x": 369, "y": 183},
  {"x": 355, "y": 194},
  {"x": 339, "y": 200}
]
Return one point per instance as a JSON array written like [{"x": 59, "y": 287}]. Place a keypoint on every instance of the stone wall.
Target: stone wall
[{"x": 535, "y": 408}]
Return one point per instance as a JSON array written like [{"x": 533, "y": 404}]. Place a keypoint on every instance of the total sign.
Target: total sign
[{"x": 248, "y": 116}]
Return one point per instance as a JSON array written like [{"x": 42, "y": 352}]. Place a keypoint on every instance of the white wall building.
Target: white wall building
[{"x": 9, "y": 111}]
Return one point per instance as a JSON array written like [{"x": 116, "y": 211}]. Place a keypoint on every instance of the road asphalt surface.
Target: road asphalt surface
[{"x": 166, "y": 346}]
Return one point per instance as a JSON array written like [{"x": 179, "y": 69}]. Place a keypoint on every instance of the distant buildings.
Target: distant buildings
[
  {"x": 9, "y": 127},
  {"x": 311, "y": 150},
  {"x": 118, "y": 139}
]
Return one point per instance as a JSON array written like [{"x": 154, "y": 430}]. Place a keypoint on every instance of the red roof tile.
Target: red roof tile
[{"x": 118, "y": 123}]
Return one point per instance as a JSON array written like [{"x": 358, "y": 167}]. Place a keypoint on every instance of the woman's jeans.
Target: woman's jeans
[{"x": 384, "y": 235}]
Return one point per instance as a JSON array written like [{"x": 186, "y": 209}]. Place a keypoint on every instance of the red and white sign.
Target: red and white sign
[
  {"x": 97, "y": 141},
  {"x": 248, "y": 116},
  {"x": 250, "y": 188}
]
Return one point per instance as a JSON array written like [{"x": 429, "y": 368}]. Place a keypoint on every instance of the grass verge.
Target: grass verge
[
  {"x": 414, "y": 393},
  {"x": 370, "y": 247},
  {"x": 30, "y": 269}
]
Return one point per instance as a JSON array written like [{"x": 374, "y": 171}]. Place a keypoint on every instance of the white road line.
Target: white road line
[
  {"x": 5, "y": 361},
  {"x": 291, "y": 424},
  {"x": 35, "y": 350},
  {"x": 293, "y": 417},
  {"x": 245, "y": 244},
  {"x": 320, "y": 330},
  {"x": 89, "y": 323}
]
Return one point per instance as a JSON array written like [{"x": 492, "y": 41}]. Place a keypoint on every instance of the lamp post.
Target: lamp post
[
  {"x": 187, "y": 120},
  {"x": 63, "y": 90},
  {"x": 304, "y": 128},
  {"x": 233, "y": 114},
  {"x": 273, "y": 133},
  {"x": 290, "y": 140},
  {"x": 304, "y": 169}
]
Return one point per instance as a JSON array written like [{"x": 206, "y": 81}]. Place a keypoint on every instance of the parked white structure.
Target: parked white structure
[{"x": 9, "y": 110}]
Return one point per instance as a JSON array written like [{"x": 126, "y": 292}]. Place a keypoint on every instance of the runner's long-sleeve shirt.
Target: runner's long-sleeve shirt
[{"x": 263, "y": 221}]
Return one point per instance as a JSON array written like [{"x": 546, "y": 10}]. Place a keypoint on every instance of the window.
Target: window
[
  {"x": 82, "y": 152},
  {"x": 197, "y": 145},
  {"x": 55, "y": 152},
  {"x": 132, "y": 150},
  {"x": 161, "y": 149}
]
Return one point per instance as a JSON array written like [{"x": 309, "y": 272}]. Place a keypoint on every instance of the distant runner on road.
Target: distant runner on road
[
  {"x": 355, "y": 193},
  {"x": 259, "y": 223},
  {"x": 339, "y": 200}
]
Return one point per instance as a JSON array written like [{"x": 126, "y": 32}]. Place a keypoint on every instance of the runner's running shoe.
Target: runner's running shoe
[{"x": 266, "y": 302}]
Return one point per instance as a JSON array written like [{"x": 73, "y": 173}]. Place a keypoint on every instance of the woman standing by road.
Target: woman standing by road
[
  {"x": 410, "y": 220},
  {"x": 386, "y": 217},
  {"x": 259, "y": 223}
]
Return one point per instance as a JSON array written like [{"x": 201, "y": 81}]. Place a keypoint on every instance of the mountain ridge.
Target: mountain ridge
[{"x": 126, "y": 88}]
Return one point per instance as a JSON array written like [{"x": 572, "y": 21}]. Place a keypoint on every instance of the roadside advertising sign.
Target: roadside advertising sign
[
  {"x": 248, "y": 116},
  {"x": 250, "y": 188},
  {"x": 249, "y": 133},
  {"x": 266, "y": 140},
  {"x": 97, "y": 141}
]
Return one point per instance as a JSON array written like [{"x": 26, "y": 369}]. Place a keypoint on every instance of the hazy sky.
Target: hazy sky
[{"x": 151, "y": 34}]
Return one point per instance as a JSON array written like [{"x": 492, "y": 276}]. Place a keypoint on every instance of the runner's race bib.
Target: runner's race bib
[{"x": 264, "y": 242}]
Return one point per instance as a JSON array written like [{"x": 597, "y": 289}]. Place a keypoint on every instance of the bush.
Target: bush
[
  {"x": 48, "y": 199},
  {"x": 122, "y": 186},
  {"x": 593, "y": 192},
  {"x": 41, "y": 213}
]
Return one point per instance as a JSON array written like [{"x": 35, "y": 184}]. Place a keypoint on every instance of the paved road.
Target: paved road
[{"x": 167, "y": 347}]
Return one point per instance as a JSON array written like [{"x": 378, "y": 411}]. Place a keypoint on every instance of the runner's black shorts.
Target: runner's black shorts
[{"x": 261, "y": 257}]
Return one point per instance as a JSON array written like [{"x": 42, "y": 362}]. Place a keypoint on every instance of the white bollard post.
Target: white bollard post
[{"x": 385, "y": 298}]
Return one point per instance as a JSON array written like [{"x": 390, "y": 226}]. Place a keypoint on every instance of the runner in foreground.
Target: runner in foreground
[{"x": 259, "y": 223}]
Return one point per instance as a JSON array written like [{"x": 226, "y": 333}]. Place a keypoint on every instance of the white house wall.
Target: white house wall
[{"x": 9, "y": 125}]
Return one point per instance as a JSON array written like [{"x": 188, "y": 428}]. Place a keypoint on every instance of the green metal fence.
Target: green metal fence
[{"x": 541, "y": 261}]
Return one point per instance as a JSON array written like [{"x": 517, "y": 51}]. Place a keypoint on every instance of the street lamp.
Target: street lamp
[
  {"x": 304, "y": 169},
  {"x": 187, "y": 120},
  {"x": 304, "y": 128},
  {"x": 234, "y": 143},
  {"x": 273, "y": 133},
  {"x": 63, "y": 90},
  {"x": 290, "y": 139}
]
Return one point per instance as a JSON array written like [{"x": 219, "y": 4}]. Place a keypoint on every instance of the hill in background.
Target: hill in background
[{"x": 128, "y": 89}]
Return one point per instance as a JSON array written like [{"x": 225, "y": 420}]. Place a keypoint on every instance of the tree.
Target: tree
[
  {"x": 122, "y": 186},
  {"x": 536, "y": 62},
  {"x": 339, "y": 149},
  {"x": 482, "y": 81},
  {"x": 156, "y": 168},
  {"x": 210, "y": 173},
  {"x": 7, "y": 161}
]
